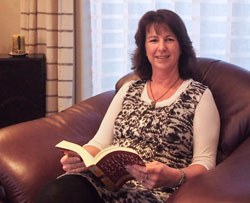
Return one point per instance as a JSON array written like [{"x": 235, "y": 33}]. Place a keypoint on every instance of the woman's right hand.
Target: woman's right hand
[{"x": 72, "y": 164}]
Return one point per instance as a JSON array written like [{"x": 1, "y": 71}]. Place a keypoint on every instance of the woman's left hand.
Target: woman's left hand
[{"x": 155, "y": 174}]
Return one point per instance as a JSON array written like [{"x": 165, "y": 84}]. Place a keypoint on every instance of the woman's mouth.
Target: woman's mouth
[{"x": 162, "y": 57}]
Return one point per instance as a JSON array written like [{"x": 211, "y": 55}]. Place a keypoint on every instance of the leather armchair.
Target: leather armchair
[{"x": 29, "y": 159}]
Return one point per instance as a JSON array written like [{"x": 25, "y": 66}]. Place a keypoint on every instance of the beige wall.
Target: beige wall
[{"x": 9, "y": 23}]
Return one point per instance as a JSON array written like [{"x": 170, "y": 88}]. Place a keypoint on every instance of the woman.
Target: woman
[{"x": 167, "y": 117}]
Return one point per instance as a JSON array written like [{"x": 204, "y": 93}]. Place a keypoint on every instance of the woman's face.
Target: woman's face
[{"x": 162, "y": 49}]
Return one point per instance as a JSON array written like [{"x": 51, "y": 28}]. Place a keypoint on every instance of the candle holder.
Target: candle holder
[{"x": 18, "y": 45}]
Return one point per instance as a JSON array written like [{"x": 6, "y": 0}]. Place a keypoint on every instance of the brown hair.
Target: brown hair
[{"x": 159, "y": 18}]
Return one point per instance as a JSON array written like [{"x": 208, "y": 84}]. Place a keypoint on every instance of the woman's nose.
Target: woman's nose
[{"x": 162, "y": 46}]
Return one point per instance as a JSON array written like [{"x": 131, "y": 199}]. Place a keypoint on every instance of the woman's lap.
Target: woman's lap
[{"x": 69, "y": 188}]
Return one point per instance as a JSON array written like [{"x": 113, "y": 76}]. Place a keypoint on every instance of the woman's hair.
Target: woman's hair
[{"x": 163, "y": 18}]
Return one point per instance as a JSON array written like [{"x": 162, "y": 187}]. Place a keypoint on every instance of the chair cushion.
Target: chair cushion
[{"x": 230, "y": 86}]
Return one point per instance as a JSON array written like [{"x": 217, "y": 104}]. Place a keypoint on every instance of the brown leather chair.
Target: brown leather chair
[{"x": 29, "y": 159}]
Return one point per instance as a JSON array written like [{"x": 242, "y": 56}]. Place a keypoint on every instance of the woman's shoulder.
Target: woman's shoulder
[
  {"x": 198, "y": 84},
  {"x": 202, "y": 89},
  {"x": 132, "y": 84},
  {"x": 193, "y": 87},
  {"x": 139, "y": 81},
  {"x": 136, "y": 83}
]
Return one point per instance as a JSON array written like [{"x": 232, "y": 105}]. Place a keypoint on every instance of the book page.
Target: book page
[
  {"x": 110, "y": 149},
  {"x": 86, "y": 157}
]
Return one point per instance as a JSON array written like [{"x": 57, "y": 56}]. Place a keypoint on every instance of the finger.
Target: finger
[
  {"x": 139, "y": 169},
  {"x": 72, "y": 164},
  {"x": 135, "y": 171},
  {"x": 77, "y": 167},
  {"x": 143, "y": 176},
  {"x": 69, "y": 159},
  {"x": 71, "y": 153},
  {"x": 141, "y": 172},
  {"x": 147, "y": 182},
  {"x": 138, "y": 172}
]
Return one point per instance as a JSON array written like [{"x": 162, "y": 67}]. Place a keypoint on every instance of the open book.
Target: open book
[{"x": 109, "y": 164}]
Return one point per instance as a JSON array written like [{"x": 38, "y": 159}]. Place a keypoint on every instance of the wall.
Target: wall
[{"x": 9, "y": 23}]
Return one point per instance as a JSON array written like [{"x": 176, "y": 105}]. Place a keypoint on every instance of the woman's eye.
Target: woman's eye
[
  {"x": 170, "y": 39},
  {"x": 153, "y": 40}
]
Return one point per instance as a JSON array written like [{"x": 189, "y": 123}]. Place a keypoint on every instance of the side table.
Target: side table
[{"x": 22, "y": 88}]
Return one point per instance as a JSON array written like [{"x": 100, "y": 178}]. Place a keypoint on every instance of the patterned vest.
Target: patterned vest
[{"x": 163, "y": 134}]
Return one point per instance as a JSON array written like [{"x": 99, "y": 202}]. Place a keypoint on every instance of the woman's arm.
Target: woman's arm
[
  {"x": 157, "y": 174},
  {"x": 206, "y": 132},
  {"x": 103, "y": 137}
]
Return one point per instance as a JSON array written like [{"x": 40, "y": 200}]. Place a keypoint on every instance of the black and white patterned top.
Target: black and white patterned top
[{"x": 163, "y": 134}]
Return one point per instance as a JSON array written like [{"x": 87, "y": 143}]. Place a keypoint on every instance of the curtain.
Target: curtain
[
  {"x": 83, "y": 79},
  {"x": 48, "y": 27},
  {"x": 219, "y": 29}
]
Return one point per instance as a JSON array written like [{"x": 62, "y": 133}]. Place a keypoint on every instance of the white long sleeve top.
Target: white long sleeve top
[{"x": 206, "y": 124}]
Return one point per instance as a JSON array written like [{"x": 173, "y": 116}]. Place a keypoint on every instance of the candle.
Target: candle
[{"x": 18, "y": 44}]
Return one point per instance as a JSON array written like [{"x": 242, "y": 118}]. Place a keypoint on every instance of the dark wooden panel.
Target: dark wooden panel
[{"x": 22, "y": 88}]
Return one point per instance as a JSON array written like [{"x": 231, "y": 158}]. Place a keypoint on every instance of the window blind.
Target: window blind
[{"x": 219, "y": 29}]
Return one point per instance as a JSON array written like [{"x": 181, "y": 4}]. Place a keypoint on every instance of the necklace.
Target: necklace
[{"x": 153, "y": 103}]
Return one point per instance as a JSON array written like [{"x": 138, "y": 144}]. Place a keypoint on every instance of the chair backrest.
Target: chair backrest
[{"x": 230, "y": 85}]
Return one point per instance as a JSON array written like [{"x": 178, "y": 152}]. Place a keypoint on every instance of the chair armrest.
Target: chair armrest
[
  {"x": 227, "y": 182},
  {"x": 28, "y": 157}
]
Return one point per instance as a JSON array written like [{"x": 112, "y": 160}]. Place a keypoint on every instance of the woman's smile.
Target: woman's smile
[{"x": 162, "y": 57}]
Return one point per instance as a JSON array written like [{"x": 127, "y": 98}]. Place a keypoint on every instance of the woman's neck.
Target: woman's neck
[{"x": 164, "y": 78}]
